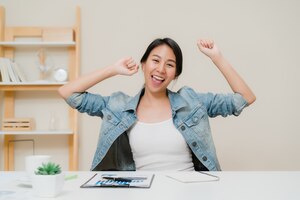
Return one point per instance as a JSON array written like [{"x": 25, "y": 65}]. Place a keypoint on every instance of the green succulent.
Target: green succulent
[{"x": 48, "y": 169}]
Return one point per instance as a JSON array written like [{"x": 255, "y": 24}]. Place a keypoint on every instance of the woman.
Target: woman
[{"x": 158, "y": 129}]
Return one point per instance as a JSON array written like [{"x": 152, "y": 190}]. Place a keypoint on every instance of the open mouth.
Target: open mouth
[{"x": 157, "y": 79}]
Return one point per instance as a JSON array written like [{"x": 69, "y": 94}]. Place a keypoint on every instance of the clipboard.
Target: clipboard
[{"x": 117, "y": 180}]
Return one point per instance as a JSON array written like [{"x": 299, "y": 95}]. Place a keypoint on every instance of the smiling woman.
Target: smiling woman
[{"x": 158, "y": 129}]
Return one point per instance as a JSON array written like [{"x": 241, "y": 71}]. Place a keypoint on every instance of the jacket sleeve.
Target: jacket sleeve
[
  {"x": 223, "y": 104},
  {"x": 89, "y": 103}
]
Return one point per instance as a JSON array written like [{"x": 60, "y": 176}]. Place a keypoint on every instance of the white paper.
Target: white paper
[{"x": 192, "y": 177}]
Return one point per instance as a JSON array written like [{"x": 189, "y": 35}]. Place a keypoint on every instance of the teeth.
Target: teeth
[{"x": 158, "y": 78}]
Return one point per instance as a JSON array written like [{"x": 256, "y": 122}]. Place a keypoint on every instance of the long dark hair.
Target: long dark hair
[{"x": 173, "y": 45}]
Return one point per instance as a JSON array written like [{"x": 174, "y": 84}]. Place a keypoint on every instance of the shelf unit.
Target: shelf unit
[
  {"x": 38, "y": 132},
  {"x": 30, "y": 86},
  {"x": 8, "y": 46},
  {"x": 37, "y": 43}
]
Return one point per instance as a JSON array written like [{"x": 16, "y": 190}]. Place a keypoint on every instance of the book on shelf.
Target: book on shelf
[
  {"x": 10, "y": 71},
  {"x": 18, "y": 72},
  {"x": 4, "y": 71}
]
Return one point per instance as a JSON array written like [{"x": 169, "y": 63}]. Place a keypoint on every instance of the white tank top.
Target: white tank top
[{"x": 159, "y": 146}]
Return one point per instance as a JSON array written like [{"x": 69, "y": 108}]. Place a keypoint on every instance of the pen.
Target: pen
[
  {"x": 117, "y": 178},
  {"x": 70, "y": 177}
]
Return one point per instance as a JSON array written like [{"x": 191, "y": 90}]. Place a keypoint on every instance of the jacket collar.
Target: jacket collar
[
  {"x": 176, "y": 100},
  {"x": 134, "y": 101}
]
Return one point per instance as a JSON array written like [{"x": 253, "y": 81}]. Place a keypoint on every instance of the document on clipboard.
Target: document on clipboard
[{"x": 131, "y": 180}]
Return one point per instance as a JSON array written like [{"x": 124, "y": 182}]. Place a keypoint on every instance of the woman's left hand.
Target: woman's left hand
[{"x": 209, "y": 48}]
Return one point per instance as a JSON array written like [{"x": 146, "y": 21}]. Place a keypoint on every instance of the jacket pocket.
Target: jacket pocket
[
  {"x": 197, "y": 123},
  {"x": 110, "y": 121},
  {"x": 194, "y": 117}
]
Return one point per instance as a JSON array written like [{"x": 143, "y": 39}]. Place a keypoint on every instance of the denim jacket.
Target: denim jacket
[{"x": 190, "y": 113}]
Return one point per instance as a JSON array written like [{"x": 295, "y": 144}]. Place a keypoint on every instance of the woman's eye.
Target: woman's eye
[
  {"x": 170, "y": 65},
  {"x": 155, "y": 60}
]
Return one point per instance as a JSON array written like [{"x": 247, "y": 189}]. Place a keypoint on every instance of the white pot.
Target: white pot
[{"x": 47, "y": 185}]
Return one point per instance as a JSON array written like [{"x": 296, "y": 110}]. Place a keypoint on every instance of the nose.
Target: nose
[{"x": 161, "y": 68}]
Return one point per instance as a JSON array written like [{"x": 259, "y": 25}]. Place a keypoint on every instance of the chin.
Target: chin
[{"x": 157, "y": 89}]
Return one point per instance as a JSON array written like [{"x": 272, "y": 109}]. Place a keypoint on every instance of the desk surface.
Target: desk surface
[{"x": 231, "y": 186}]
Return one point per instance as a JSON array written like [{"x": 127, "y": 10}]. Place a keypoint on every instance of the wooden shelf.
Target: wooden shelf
[
  {"x": 33, "y": 83},
  {"x": 30, "y": 86},
  {"x": 38, "y": 132},
  {"x": 37, "y": 44},
  {"x": 21, "y": 39}
]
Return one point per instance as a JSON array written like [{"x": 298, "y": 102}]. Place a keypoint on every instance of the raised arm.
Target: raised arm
[
  {"x": 125, "y": 66},
  {"x": 237, "y": 84}
]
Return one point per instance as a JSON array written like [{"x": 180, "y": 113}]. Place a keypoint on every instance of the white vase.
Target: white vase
[{"x": 47, "y": 185}]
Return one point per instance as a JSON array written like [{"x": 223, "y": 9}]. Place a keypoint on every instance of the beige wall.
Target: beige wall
[{"x": 259, "y": 37}]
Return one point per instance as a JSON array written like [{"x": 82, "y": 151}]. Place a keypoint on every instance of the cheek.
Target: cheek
[
  {"x": 147, "y": 68},
  {"x": 172, "y": 73}
]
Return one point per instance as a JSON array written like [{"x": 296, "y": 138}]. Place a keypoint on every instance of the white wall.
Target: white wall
[{"x": 259, "y": 37}]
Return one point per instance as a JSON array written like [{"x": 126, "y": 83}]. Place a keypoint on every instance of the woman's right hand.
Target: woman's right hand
[{"x": 126, "y": 66}]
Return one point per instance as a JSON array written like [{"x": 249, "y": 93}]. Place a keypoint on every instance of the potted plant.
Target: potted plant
[{"x": 48, "y": 180}]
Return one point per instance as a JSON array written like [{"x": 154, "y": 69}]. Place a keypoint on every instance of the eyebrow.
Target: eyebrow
[{"x": 171, "y": 60}]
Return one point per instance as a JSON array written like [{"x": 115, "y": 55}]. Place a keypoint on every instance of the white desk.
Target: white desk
[{"x": 231, "y": 186}]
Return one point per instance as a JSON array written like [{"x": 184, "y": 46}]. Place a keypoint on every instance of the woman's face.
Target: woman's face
[{"x": 159, "y": 69}]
